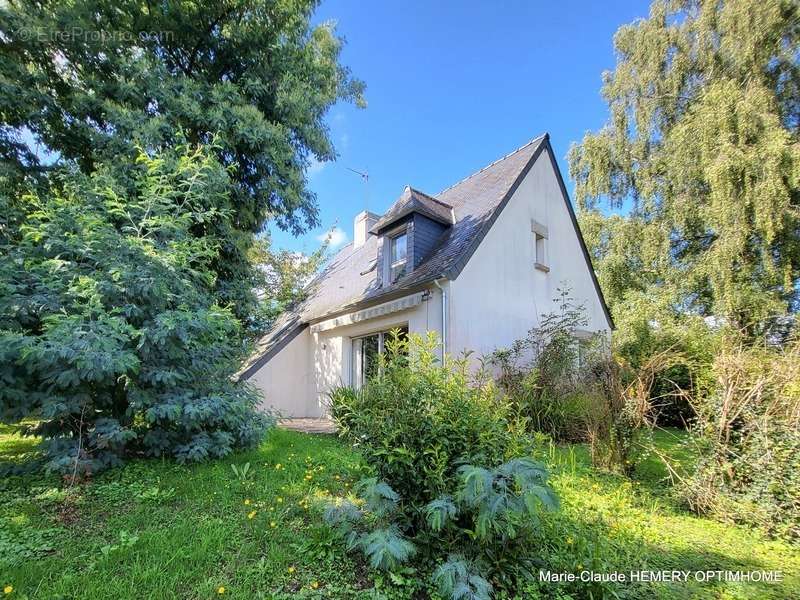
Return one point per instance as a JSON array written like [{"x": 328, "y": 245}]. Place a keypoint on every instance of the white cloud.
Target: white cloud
[
  {"x": 314, "y": 167},
  {"x": 335, "y": 237}
]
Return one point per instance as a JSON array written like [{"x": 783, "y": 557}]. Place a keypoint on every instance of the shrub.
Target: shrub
[
  {"x": 450, "y": 478},
  {"x": 418, "y": 421},
  {"x": 552, "y": 375},
  {"x": 570, "y": 387},
  {"x": 748, "y": 435},
  {"x": 110, "y": 333}
]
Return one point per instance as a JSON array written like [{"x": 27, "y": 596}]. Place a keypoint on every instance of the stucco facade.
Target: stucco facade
[
  {"x": 296, "y": 381},
  {"x": 500, "y": 295},
  {"x": 527, "y": 248}
]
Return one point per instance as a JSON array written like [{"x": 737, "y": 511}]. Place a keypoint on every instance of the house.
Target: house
[{"x": 478, "y": 263}]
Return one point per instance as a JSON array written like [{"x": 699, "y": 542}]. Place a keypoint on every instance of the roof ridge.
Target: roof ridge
[
  {"x": 493, "y": 163},
  {"x": 429, "y": 197}
]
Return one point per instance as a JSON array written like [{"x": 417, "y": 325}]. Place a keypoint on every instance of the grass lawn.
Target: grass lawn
[{"x": 155, "y": 529}]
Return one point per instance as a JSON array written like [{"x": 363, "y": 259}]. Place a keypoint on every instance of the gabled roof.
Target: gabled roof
[
  {"x": 411, "y": 201},
  {"x": 349, "y": 281}
]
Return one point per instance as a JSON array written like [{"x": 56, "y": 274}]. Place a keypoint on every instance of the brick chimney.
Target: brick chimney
[{"x": 361, "y": 226}]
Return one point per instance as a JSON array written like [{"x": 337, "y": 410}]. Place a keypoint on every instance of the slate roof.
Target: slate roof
[
  {"x": 411, "y": 201},
  {"x": 349, "y": 280}
]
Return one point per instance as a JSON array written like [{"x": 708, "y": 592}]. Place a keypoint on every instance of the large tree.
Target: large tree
[
  {"x": 91, "y": 81},
  {"x": 168, "y": 133},
  {"x": 110, "y": 333},
  {"x": 702, "y": 148}
]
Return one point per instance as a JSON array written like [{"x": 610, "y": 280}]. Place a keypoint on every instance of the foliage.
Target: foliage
[
  {"x": 551, "y": 373},
  {"x": 457, "y": 578},
  {"x": 109, "y": 327},
  {"x": 91, "y": 81},
  {"x": 702, "y": 144},
  {"x": 281, "y": 280},
  {"x": 570, "y": 387},
  {"x": 748, "y": 437},
  {"x": 419, "y": 420},
  {"x": 444, "y": 450},
  {"x": 606, "y": 523},
  {"x": 491, "y": 517}
]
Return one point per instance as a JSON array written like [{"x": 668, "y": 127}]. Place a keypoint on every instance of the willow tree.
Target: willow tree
[{"x": 702, "y": 147}]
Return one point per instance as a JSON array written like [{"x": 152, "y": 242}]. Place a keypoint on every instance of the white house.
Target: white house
[{"x": 478, "y": 263}]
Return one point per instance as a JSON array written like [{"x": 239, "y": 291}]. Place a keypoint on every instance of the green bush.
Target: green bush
[
  {"x": 451, "y": 485},
  {"x": 558, "y": 381},
  {"x": 418, "y": 421},
  {"x": 747, "y": 433},
  {"x": 110, "y": 331}
]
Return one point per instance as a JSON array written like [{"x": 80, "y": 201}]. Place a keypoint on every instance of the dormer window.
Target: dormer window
[
  {"x": 408, "y": 233},
  {"x": 398, "y": 256}
]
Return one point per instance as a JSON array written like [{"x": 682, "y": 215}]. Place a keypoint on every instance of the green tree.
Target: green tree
[
  {"x": 92, "y": 80},
  {"x": 110, "y": 330},
  {"x": 282, "y": 276},
  {"x": 703, "y": 146}
]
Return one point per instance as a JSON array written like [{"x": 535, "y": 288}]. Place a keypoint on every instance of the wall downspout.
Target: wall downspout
[{"x": 444, "y": 318}]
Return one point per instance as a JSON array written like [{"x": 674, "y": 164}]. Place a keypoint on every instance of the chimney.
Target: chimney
[{"x": 361, "y": 226}]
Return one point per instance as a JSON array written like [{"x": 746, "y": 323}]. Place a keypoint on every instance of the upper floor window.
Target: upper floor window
[
  {"x": 398, "y": 256},
  {"x": 540, "y": 258}
]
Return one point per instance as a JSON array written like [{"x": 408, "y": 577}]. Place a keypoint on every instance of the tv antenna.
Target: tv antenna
[{"x": 365, "y": 178}]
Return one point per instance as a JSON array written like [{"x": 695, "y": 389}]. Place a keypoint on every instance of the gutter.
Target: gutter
[{"x": 444, "y": 318}]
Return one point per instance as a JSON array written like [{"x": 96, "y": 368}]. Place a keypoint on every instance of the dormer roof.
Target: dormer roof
[{"x": 414, "y": 201}]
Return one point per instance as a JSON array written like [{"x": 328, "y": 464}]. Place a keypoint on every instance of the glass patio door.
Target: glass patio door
[{"x": 366, "y": 351}]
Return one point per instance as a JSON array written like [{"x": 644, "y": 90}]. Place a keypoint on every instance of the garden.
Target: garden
[
  {"x": 139, "y": 187},
  {"x": 435, "y": 486},
  {"x": 158, "y": 529}
]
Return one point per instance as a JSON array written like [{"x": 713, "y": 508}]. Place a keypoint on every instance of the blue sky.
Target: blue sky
[{"x": 452, "y": 86}]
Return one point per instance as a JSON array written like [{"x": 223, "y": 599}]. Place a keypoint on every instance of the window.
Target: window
[
  {"x": 540, "y": 258},
  {"x": 397, "y": 257},
  {"x": 366, "y": 350}
]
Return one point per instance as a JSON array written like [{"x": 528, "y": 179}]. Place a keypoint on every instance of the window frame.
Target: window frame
[
  {"x": 540, "y": 246},
  {"x": 390, "y": 266},
  {"x": 357, "y": 380}
]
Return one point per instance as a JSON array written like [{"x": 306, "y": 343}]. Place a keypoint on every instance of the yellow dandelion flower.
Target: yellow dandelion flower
[
  {"x": 273, "y": 524},
  {"x": 251, "y": 514},
  {"x": 579, "y": 567},
  {"x": 221, "y": 590},
  {"x": 569, "y": 541},
  {"x": 8, "y": 589},
  {"x": 336, "y": 477},
  {"x": 279, "y": 500},
  {"x": 314, "y": 585},
  {"x": 247, "y": 502},
  {"x": 278, "y": 466},
  {"x": 308, "y": 477},
  {"x": 291, "y": 569}
]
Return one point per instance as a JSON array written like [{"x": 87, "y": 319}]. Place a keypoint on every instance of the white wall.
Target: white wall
[
  {"x": 297, "y": 380},
  {"x": 499, "y": 295},
  {"x": 286, "y": 380}
]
